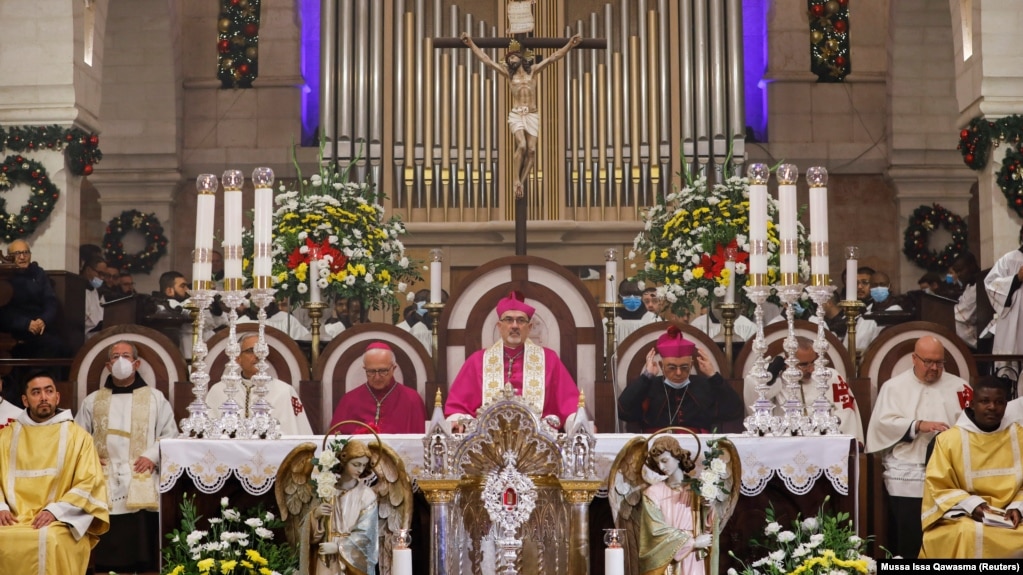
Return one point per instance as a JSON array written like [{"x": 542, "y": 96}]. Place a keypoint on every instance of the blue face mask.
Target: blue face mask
[
  {"x": 632, "y": 302},
  {"x": 421, "y": 307},
  {"x": 879, "y": 294},
  {"x": 96, "y": 283},
  {"x": 949, "y": 279}
]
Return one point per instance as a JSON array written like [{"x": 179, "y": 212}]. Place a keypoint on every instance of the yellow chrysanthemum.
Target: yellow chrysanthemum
[
  {"x": 205, "y": 565},
  {"x": 228, "y": 566},
  {"x": 698, "y": 272}
]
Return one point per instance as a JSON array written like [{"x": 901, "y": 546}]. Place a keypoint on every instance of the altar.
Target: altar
[{"x": 793, "y": 474}]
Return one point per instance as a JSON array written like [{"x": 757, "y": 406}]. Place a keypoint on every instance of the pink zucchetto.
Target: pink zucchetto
[
  {"x": 515, "y": 302},
  {"x": 378, "y": 345},
  {"x": 672, "y": 344}
]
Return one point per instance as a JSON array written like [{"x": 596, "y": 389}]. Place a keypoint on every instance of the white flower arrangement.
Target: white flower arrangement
[
  {"x": 234, "y": 544},
  {"x": 822, "y": 545},
  {"x": 326, "y": 466},
  {"x": 713, "y": 482}
]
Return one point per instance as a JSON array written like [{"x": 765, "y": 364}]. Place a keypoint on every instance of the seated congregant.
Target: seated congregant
[
  {"x": 383, "y": 402},
  {"x": 973, "y": 475},
  {"x": 534, "y": 372},
  {"x": 669, "y": 394}
]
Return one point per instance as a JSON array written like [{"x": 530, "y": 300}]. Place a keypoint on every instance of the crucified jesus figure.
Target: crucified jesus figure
[{"x": 523, "y": 119}]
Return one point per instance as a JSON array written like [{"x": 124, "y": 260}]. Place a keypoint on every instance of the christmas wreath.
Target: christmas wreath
[
  {"x": 151, "y": 230},
  {"x": 924, "y": 220},
  {"x": 80, "y": 148},
  {"x": 41, "y": 199},
  {"x": 976, "y": 141}
]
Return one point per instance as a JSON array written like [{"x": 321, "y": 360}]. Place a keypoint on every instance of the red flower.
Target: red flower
[{"x": 319, "y": 252}]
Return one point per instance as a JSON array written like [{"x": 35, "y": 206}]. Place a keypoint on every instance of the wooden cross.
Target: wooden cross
[{"x": 526, "y": 43}]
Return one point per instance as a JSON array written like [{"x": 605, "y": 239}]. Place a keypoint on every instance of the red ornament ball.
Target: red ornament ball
[
  {"x": 841, "y": 26},
  {"x": 969, "y": 158},
  {"x": 87, "y": 170},
  {"x": 235, "y": 2},
  {"x": 843, "y": 3},
  {"x": 1019, "y": 201},
  {"x": 94, "y": 140},
  {"x": 817, "y": 10},
  {"x": 251, "y": 29},
  {"x": 964, "y": 134},
  {"x": 244, "y": 69},
  {"x": 223, "y": 46},
  {"x": 840, "y": 61}
]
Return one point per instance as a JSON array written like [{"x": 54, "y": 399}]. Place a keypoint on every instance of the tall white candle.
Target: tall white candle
[
  {"x": 205, "y": 204},
  {"x": 314, "y": 281},
  {"x": 401, "y": 561},
  {"x": 788, "y": 211},
  {"x": 850, "y": 279},
  {"x": 817, "y": 178},
  {"x": 233, "y": 180},
  {"x": 436, "y": 277},
  {"x": 263, "y": 179},
  {"x": 610, "y": 275},
  {"x": 758, "y": 174},
  {"x": 614, "y": 561},
  {"x": 730, "y": 290}
]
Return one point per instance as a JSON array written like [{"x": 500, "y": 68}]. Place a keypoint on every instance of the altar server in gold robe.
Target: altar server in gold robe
[
  {"x": 53, "y": 497},
  {"x": 972, "y": 497}
]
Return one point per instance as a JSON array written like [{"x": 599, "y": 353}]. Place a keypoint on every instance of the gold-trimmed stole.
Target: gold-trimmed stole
[{"x": 533, "y": 368}]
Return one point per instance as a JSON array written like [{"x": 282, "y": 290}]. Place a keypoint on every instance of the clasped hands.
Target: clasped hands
[
  {"x": 42, "y": 520},
  {"x": 36, "y": 326}
]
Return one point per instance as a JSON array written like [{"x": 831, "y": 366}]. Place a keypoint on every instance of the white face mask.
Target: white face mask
[{"x": 122, "y": 368}]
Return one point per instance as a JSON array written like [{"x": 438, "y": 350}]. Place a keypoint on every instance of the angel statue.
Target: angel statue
[
  {"x": 343, "y": 508},
  {"x": 662, "y": 503}
]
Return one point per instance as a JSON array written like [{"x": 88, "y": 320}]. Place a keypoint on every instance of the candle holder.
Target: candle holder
[
  {"x": 793, "y": 420},
  {"x": 261, "y": 424},
  {"x": 763, "y": 421},
  {"x": 193, "y": 315},
  {"x": 610, "y": 310},
  {"x": 434, "y": 310},
  {"x": 315, "y": 314},
  {"x": 402, "y": 539},
  {"x": 729, "y": 311},
  {"x": 197, "y": 424},
  {"x": 822, "y": 420},
  {"x": 853, "y": 309},
  {"x": 229, "y": 417},
  {"x": 614, "y": 538}
]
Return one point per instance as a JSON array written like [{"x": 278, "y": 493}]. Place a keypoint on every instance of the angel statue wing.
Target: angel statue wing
[
  {"x": 394, "y": 498},
  {"x": 625, "y": 486},
  {"x": 294, "y": 490},
  {"x": 730, "y": 470}
]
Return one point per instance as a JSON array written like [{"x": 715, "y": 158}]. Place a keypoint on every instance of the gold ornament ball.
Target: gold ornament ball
[
  {"x": 831, "y": 7},
  {"x": 245, "y": 3},
  {"x": 224, "y": 24},
  {"x": 832, "y": 45},
  {"x": 227, "y": 62},
  {"x": 238, "y": 41},
  {"x": 251, "y": 52},
  {"x": 816, "y": 36}
]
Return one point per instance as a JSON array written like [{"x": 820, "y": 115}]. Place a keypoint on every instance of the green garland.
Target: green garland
[
  {"x": 80, "y": 148},
  {"x": 238, "y": 43},
  {"x": 43, "y": 195},
  {"x": 924, "y": 220},
  {"x": 829, "y": 39},
  {"x": 151, "y": 230},
  {"x": 976, "y": 141}
]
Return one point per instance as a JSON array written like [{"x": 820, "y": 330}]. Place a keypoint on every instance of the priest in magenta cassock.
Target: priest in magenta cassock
[
  {"x": 382, "y": 402},
  {"x": 535, "y": 372}
]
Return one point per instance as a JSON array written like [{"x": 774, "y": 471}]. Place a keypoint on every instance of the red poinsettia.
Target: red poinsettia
[
  {"x": 320, "y": 252},
  {"x": 713, "y": 264}
]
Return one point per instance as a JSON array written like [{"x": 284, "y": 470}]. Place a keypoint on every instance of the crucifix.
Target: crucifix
[{"x": 520, "y": 68}]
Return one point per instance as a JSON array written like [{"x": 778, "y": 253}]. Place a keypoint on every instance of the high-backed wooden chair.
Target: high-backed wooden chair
[
  {"x": 566, "y": 320},
  {"x": 339, "y": 367},
  {"x": 775, "y": 334},
  {"x": 161, "y": 365},
  {"x": 633, "y": 349},
  {"x": 890, "y": 354}
]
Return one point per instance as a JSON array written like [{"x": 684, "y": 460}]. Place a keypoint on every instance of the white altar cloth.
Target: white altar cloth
[{"x": 798, "y": 461}]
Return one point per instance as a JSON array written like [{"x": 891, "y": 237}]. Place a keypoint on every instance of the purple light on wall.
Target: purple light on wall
[
  {"x": 309, "y": 12},
  {"x": 754, "y": 26}
]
